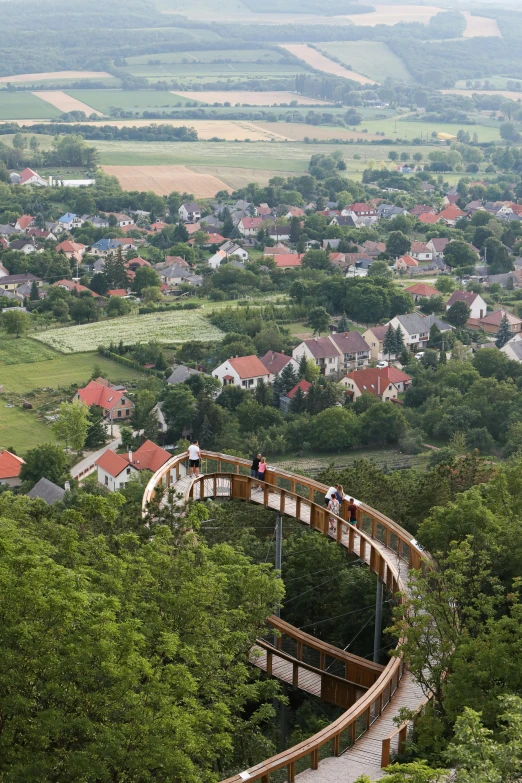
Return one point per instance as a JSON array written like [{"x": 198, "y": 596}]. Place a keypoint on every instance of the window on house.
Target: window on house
[
  {"x": 119, "y": 414},
  {"x": 106, "y": 481},
  {"x": 243, "y": 383},
  {"x": 128, "y": 471},
  {"x": 122, "y": 484},
  {"x": 127, "y": 412}
]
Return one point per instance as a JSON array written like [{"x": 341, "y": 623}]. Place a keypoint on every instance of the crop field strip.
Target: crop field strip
[
  {"x": 321, "y": 63},
  {"x": 54, "y": 76},
  {"x": 65, "y": 103},
  {"x": 480, "y": 26},
  {"x": 25, "y": 106},
  {"x": 174, "y": 327},
  {"x": 207, "y": 56},
  {"x": 369, "y": 58},
  {"x": 130, "y": 100},
  {"x": 251, "y": 97},
  {"x": 163, "y": 180}
]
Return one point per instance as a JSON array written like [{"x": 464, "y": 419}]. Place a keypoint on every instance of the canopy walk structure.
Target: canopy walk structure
[{"x": 362, "y": 738}]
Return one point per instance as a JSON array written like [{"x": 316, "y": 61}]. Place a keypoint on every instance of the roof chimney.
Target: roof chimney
[
  {"x": 67, "y": 486},
  {"x": 130, "y": 457}
]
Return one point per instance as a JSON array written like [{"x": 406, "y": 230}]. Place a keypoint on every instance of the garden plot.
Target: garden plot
[{"x": 174, "y": 327}]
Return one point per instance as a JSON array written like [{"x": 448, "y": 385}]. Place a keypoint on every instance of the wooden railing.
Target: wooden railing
[
  {"x": 400, "y": 735},
  {"x": 381, "y": 543}
]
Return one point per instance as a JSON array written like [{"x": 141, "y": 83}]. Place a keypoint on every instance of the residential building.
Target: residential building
[
  {"x": 12, "y": 282},
  {"x": 437, "y": 245},
  {"x": 374, "y": 337},
  {"x": 370, "y": 381},
  {"x": 47, "y": 491},
  {"x": 450, "y": 215},
  {"x": 113, "y": 399},
  {"x": 120, "y": 293},
  {"x": 25, "y": 246},
  {"x": 354, "y": 351},
  {"x": 216, "y": 260},
  {"x": 477, "y": 306},
  {"x": 415, "y": 328},
  {"x": 133, "y": 264},
  {"x": 72, "y": 286},
  {"x": 243, "y": 371},
  {"x": 513, "y": 349},
  {"x": 343, "y": 220},
  {"x": 295, "y": 212},
  {"x": 3, "y": 271},
  {"x": 97, "y": 221},
  {"x": 338, "y": 353},
  {"x": 277, "y": 250},
  {"x": 174, "y": 275},
  {"x": 428, "y": 218},
  {"x": 420, "y": 251},
  {"x": 104, "y": 246},
  {"x": 422, "y": 209},
  {"x": 230, "y": 248},
  {"x": 491, "y": 323},
  {"x": 70, "y": 249},
  {"x": 249, "y": 226},
  {"x": 213, "y": 239},
  {"x": 275, "y": 363},
  {"x": 180, "y": 374},
  {"x": 421, "y": 291},
  {"x": 24, "y": 222},
  {"x": 30, "y": 177},
  {"x": 286, "y": 399},
  {"x": 190, "y": 212},
  {"x": 122, "y": 220},
  {"x": 115, "y": 470},
  {"x": 398, "y": 378},
  {"x": 70, "y": 221},
  {"x": 279, "y": 232},
  {"x": 40, "y": 233},
  {"x": 372, "y": 249},
  {"x": 405, "y": 263},
  {"x": 362, "y": 210},
  {"x": 288, "y": 262},
  {"x": 10, "y": 467},
  {"x": 388, "y": 211}
]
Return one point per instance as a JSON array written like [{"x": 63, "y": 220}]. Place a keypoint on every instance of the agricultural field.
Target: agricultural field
[
  {"x": 210, "y": 72},
  {"x": 253, "y": 98},
  {"x": 25, "y": 106},
  {"x": 130, "y": 100},
  {"x": 174, "y": 327},
  {"x": 224, "y": 130},
  {"x": 235, "y": 178},
  {"x": 166, "y": 179},
  {"x": 53, "y": 76},
  {"x": 395, "y": 14},
  {"x": 321, "y": 63},
  {"x": 298, "y": 131},
  {"x": 64, "y": 102},
  {"x": 369, "y": 58},
  {"x": 26, "y": 364},
  {"x": 208, "y": 56},
  {"x": 480, "y": 26},
  {"x": 510, "y": 94}
]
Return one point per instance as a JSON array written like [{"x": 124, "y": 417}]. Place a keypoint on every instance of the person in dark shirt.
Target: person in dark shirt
[
  {"x": 254, "y": 467},
  {"x": 352, "y": 508}
]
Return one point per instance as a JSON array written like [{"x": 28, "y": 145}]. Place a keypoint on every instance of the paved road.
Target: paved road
[{"x": 92, "y": 456}]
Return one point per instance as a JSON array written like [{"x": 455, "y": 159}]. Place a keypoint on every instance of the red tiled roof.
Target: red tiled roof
[
  {"x": 420, "y": 209},
  {"x": 136, "y": 262},
  {"x": 419, "y": 247},
  {"x": 349, "y": 342},
  {"x": 495, "y": 318},
  {"x": 379, "y": 332},
  {"x": 251, "y": 222},
  {"x": 360, "y": 207},
  {"x": 98, "y": 394},
  {"x": 215, "y": 239},
  {"x": 10, "y": 465},
  {"x": 371, "y": 380},
  {"x": 112, "y": 463},
  {"x": 296, "y": 212},
  {"x": 303, "y": 385},
  {"x": 117, "y": 292},
  {"x": 422, "y": 289},
  {"x": 24, "y": 220},
  {"x": 277, "y": 250},
  {"x": 27, "y": 174},
  {"x": 248, "y": 367},
  {"x": 292, "y": 259},
  {"x": 149, "y": 456},
  {"x": 69, "y": 247},
  {"x": 395, "y": 375},
  {"x": 70, "y": 285},
  {"x": 409, "y": 260},
  {"x": 426, "y": 217},
  {"x": 321, "y": 348},
  {"x": 450, "y": 213}
]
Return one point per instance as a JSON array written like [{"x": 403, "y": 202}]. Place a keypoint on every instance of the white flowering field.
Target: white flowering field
[{"x": 175, "y": 327}]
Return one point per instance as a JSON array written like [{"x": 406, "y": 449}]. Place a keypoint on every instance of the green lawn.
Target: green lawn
[
  {"x": 370, "y": 58},
  {"x": 129, "y": 100},
  {"x": 41, "y": 366},
  {"x": 21, "y": 430},
  {"x": 403, "y": 129},
  {"x": 25, "y": 106}
]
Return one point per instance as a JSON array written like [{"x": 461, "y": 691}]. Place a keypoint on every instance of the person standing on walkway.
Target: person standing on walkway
[
  {"x": 194, "y": 458},
  {"x": 262, "y": 469},
  {"x": 352, "y": 509},
  {"x": 333, "y": 508},
  {"x": 329, "y": 495},
  {"x": 254, "y": 467}
]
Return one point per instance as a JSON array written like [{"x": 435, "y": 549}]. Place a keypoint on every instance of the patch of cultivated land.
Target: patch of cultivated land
[
  {"x": 322, "y": 63},
  {"x": 25, "y": 106},
  {"x": 65, "y": 102},
  {"x": 394, "y": 14},
  {"x": 228, "y": 130},
  {"x": 480, "y": 26},
  {"x": 298, "y": 132},
  {"x": 514, "y": 96},
  {"x": 55, "y": 75},
  {"x": 236, "y": 178},
  {"x": 370, "y": 58},
  {"x": 175, "y": 327},
  {"x": 165, "y": 179},
  {"x": 252, "y": 98},
  {"x": 208, "y": 56},
  {"x": 129, "y": 100}
]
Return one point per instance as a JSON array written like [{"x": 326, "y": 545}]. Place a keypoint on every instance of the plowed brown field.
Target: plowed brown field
[
  {"x": 164, "y": 179},
  {"x": 38, "y": 77},
  {"x": 324, "y": 64},
  {"x": 65, "y": 102}
]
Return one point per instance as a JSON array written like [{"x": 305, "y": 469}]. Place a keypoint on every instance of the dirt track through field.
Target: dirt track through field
[
  {"x": 165, "y": 179},
  {"x": 251, "y": 97},
  {"x": 65, "y": 102},
  {"x": 480, "y": 26},
  {"x": 324, "y": 64},
  {"x": 38, "y": 77}
]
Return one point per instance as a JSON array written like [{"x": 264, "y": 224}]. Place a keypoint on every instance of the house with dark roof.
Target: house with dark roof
[
  {"x": 13, "y": 282},
  {"x": 115, "y": 470},
  {"x": 415, "y": 328},
  {"x": 477, "y": 306},
  {"x": 46, "y": 491},
  {"x": 180, "y": 374},
  {"x": 354, "y": 351},
  {"x": 190, "y": 212},
  {"x": 513, "y": 348},
  {"x": 374, "y": 337},
  {"x": 243, "y": 371},
  {"x": 275, "y": 363},
  {"x": 336, "y": 354},
  {"x": 491, "y": 323}
]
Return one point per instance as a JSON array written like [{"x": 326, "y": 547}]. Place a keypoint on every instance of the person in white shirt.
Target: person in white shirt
[
  {"x": 329, "y": 495},
  {"x": 194, "y": 458}
]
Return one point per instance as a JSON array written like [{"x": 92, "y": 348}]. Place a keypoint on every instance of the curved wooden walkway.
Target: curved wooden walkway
[{"x": 359, "y": 742}]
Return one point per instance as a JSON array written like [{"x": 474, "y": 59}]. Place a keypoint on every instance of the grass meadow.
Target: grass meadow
[
  {"x": 21, "y": 430},
  {"x": 369, "y": 58},
  {"x": 25, "y": 106}
]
